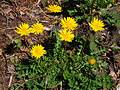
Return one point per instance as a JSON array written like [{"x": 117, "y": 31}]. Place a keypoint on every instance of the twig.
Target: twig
[
  {"x": 37, "y": 2},
  {"x": 10, "y": 81}
]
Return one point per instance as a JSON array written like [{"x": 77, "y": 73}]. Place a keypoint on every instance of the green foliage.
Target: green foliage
[
  {"x": 70, "y": 68},
  {"x": 18, "y": 43},
  {"x": 112, "y": 16},
  {"x": 84, "y": 8},
  {"x": 103, "y": 3}
]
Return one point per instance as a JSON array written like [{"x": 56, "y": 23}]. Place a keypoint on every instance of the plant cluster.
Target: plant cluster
[{"x": 74, "y": 62}]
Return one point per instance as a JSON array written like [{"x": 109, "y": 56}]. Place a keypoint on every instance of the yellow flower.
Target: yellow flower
[
  {"x": 37, "y": 51},
  {"x": 97, "y": 25},
  {"x": 66, "y": 35},
  {"x": 92, "y": 61},
  {"x": 23, "y": 29},
  {"x": 69, "y": 23},
  {"x": 54, "y": 8},
  {"x": 37, "y": 28}
]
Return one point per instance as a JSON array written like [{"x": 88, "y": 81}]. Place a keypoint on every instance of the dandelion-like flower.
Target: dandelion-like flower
[
  {"x": 66, "y": 35},
  {"x": 92, "y": 61},
  {"x": 37, "y": 51},
  {"x": 37, "y": 28},
  {"x": 23, "y": 29},
  {"x": 54, "y": 8},
  {"x": 69, "y": 23},
  {"x": 97, "y": 25}
]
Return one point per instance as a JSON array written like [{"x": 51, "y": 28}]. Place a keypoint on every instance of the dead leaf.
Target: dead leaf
[
  {"x": 112, "y": 74},
  {"x": 24, "y": 49},
  {"x": 22, "y": 10},
  {"x": 7, "y": 11},
  {"x": 11, "y": 16}
]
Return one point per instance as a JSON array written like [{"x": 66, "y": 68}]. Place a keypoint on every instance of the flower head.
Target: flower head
[
  {"x": 23, "y": 29},
  {"x": 97, "y": 25},
  {"x": 37, "y": 28},
  {"x": 37, "y": 51},
  {"x": 66, "y": 35},
  {"x": 54, "y": 8},
  {"x": 92, "y": 61},
  {"x": 69, "y": 23}
]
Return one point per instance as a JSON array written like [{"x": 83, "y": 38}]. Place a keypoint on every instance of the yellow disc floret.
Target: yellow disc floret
[
  {"x": 66, "y": 35},
  {"x": 37, "y": 28},
  {"x": 69, "y": 23},
  {"x": 23, "y": 29},
  {"x": 37, "y": 51},
  {"x": 97, "y": 25},
  {"x": 54, "y": 8}
]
